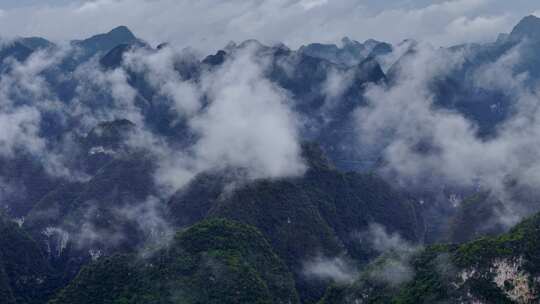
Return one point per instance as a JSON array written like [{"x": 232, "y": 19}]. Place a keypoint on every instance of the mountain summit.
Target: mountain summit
[
  {"x": 528, "y": 27},
  {"x": 103, "y": 43}
]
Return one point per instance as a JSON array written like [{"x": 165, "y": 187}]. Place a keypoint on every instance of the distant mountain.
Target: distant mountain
[
  {"x": 528, "y": 27},
  {"x": 106, "y": 42},
  {"x": 21, "y": 48},
  {"x": 307, "y": 79},
  {"x": 350, "y": 53},
  {"x": 36, "y": 43},
  {"x": 457, "y": 89},
  {"x": 103, "y": 43},
  {"x": 113, "y": 59},
  {"x": 15, "y": 50}
]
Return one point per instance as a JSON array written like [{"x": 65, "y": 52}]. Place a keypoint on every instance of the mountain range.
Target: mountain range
[{"x": 85, "y": 220}]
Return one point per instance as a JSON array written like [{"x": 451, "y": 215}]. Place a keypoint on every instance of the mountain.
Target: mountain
[
  {"x": 350, "y": 53},
  {"x": 16, "y": 50},
  {"x": 501, "y": 269},
  {"x": 29, "y": 183},
  {"x": 36, "y": 43},
  {"x": 318, "y": 213},
  {"x": 527, "y": 28},
  {"x": 328, "y": 112},
  {"x": 26, "y": 277},
  {"x": 103, "y": 43},
  {"x": 21, "y": 48},
  {"x": 113, "y": 59},
  {"x": 110, "y": 234},
  {"x": 95, "y": 206},
  {"x": 301, "y": 218},
  {"x": 212, "y": 262},
  {"x": 457, "y": 89}
]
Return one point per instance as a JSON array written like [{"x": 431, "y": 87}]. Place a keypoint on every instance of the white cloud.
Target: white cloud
[
  {"x": 246, "y": 123},
  {"x": 309, "y": 4},
  {"x": 159, "y": 69},
  {"x": 335, "y": 269},
  {"x": 394, "y": 265},
  {"x": 20, "y": 130},
  {"x": 101, "y": 95},
  {"x": 210, "y": 24},
  {"x": 402, "y": 118}
]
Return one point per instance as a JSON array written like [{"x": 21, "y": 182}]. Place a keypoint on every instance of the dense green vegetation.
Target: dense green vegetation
[
  {"x": 215, "y": 261},
  {"x": 317, "y": 214},
  {"x": 437, "y": 272}
]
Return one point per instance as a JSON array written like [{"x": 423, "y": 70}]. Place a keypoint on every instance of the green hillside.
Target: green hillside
[{"x": 215, "y": 261}]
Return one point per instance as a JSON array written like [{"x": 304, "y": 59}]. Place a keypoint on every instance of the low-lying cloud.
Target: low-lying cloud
[
  {"x": 424, "y": 144},
  {"x": 393, "y": 267},
  {"x": 238, "y": 120},
  {"x": 336, "y": 269}
]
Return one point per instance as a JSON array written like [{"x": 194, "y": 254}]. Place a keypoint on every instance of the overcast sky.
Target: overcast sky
[{"x": 209, "y": 24}]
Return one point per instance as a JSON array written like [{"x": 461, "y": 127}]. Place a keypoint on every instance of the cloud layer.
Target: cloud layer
[{"x": 210, "y": 24}]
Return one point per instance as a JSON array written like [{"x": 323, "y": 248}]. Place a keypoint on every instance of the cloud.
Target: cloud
[
  {"x": 232, "y": 118},
  {"x": 401, "y": 117},
  {"x": 210, "y": 24},
  {"x": 393, "y": 267},
  {"x": 102, "y": 95},
  {"x": 425, "y": 145},
  {"x": 160, "y": 70},
  {"x": 249, "y": 123},
  {"x": 150, "y": 219},
  {"x": 20, "y": 129},
  {"x": 27, "y": 103},
  {"x": 335, "y": 85},
  {"x": 474, "y": 29},
  {"x": 335, "y": 269},
  {"x": 381, "y": 241}
]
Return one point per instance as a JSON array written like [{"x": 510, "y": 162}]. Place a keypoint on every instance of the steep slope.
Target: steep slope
[
  {"x": 27, "y": 182},
  {"x": 323, "y": 93},
  {"x": 457, "y": 87},
  {"x": 350, "y": 53},
  {"x": 15, "y": 50},
  {"x": 527, "y": 28},
  {"x": 504, "y": 269},
  {"x": 212, "y": 262},
  {"x": 475, "y": 217},
  {"x": 25, "y": 274},
  {"x": 308, "y": 216},
  {"x": 103, "y": 43},
  {"x": 91, "y": 212},
  {"x": 76, "y": 221}
]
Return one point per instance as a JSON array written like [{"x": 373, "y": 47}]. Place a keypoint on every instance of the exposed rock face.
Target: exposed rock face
[
  {"x": 508, "y": 272},
  {"x": 509, "y": 277}
]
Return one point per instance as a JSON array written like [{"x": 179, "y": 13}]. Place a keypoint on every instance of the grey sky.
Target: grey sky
[{"x": 209, "y": 24}]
